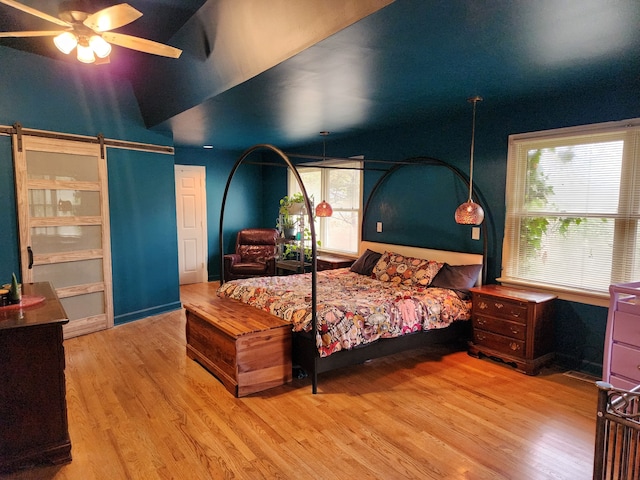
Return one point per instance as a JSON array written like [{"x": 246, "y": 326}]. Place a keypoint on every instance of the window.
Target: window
[
  {"x": 341, "y": 185},
  {"x": 573, "y": 209}
]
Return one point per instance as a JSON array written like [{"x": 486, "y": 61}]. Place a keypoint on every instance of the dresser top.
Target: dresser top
[
  {"x": 513, "y": 293},
  {"x": 43, "y": 313}
]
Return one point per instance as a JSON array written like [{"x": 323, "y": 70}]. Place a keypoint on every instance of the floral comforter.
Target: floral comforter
[{"x": 352, "y": 309}]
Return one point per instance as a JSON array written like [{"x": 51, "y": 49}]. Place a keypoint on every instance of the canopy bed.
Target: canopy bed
[{"x": 393, "y": 298}]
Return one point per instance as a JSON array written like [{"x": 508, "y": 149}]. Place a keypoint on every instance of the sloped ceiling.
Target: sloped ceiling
[{"x": 407, "y": 60}]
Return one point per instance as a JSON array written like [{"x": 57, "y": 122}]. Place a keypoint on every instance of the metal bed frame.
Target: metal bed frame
[{"x": 306, "y": 354}]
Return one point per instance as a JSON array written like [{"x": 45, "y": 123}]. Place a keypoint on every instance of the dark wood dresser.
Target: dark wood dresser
[
  {"x": 33, "y": 407},
  {"x": 513, "y": 325}
]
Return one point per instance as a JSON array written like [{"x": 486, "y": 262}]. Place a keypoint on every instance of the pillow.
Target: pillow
[
  {"x": 365, "y": 263},
  {"x": 457, "y": 277},
  {"x": 396, "y": 268}
]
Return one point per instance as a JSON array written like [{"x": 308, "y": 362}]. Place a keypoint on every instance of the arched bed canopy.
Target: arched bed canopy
[
  {"x": 430, "y": 161},
  {"x": 314, "y": 363}
]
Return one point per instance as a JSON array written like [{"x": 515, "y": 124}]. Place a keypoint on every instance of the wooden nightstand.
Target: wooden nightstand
[
  {"x": 514, "y": 325},
  {"x": 326, "y": 261}
]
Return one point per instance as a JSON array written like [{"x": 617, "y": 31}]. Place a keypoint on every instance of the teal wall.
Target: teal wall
[
  {"x": 9, "y": 254},
  {"x": 72, "y": 98},
  {"x": 144, "y": 242},
  {"x": 244, "y": 205}
]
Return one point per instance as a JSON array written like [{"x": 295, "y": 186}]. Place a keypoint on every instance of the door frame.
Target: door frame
[{"x": 203, "y": 254}]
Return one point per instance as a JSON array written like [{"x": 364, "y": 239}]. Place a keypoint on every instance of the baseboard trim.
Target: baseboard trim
[
  {"x": 571, "y": 363},
  {"x": 147, "y": 312}
]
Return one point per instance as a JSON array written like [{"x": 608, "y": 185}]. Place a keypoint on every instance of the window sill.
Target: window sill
[{"x": 568, "y": 294}]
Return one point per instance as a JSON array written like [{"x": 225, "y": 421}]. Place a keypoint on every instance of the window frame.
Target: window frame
[
  {"x": 626, "y": 130},
  {"x": 324, "y": 167}
]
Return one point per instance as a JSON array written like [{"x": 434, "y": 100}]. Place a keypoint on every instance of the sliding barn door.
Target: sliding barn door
[{"x": 63, "y": 214}]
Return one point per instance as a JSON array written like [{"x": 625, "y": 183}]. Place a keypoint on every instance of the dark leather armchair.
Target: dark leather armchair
[{"x": 256, "y": 252}]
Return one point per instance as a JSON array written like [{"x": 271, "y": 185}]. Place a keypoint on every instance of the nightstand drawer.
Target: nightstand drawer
[
  {"x": 627, "y": 328},
  {"x": 499, "y": 307},
  {"x": 499, "y": 343},
  {"x": 503, "y": 327},
  {"x": 625, "y": 362}
]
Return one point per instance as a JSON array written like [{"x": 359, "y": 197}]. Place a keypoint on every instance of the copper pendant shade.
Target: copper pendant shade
[{"x": 324, "y": 210}]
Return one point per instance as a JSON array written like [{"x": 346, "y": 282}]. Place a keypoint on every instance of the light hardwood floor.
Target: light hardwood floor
[{"x": 139, "y": 409}]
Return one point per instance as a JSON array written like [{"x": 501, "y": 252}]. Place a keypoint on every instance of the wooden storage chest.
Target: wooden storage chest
[{"x": 246, "y": 350}]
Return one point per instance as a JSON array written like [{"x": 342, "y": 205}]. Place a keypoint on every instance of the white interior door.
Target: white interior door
[
  {"x": 191, "y": 210},
  {"x": 63, "y": 213}
]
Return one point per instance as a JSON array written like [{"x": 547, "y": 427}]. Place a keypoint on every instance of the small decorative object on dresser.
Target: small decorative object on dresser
[
  {"x": 621, "y": 364},
  {"x": 514, "y": 325}
]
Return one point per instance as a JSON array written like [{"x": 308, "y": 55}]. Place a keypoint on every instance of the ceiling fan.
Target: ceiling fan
[{"x": 90, "y": 33}]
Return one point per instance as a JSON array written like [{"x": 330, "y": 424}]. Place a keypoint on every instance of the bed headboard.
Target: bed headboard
[{"x": 452, "y": 258}]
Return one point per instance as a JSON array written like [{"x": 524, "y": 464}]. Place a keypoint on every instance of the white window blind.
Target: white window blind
[
  {"x": 341, "y": 186},
  {"x": 573, "y": 208}
]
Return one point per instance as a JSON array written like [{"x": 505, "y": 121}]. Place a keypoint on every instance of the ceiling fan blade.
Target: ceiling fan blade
[
  {"x": 31, "y": 33},
  {"x": 141, "y": 44},
  {"x": 112, "y": 17},
  {"x": 35, "y": 12}
]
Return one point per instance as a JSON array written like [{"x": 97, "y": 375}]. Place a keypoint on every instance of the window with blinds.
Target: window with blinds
[
  {"x": 573, "y": 208},
  {"x": 339, "y": 182}
]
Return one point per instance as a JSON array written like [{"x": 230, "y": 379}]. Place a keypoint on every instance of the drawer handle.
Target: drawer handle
[
  {"x": 499, "y": 305},
  {"x": 480, "y": 321},
  {"x": 480, "y": 336},
  {"x": 514, "y": 346},
  {"x": 515, "y": 314},
  {"x": 515, "y": 330},
  {"x": 483, "y": 306}
]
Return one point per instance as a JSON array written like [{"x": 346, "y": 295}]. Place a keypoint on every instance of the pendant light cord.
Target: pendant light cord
[{"x": 475, "y": 101}]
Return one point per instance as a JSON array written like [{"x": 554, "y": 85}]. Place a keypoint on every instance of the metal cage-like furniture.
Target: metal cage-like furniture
[{"x": 617, "y": 449}]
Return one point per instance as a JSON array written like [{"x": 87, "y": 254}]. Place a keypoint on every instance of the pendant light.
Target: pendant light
[
  {"x": 324, "y": 209},
  {"x": 470, "y": 213}
]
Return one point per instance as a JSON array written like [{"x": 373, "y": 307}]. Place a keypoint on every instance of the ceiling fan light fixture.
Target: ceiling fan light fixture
[
  {"x": 100, "y": 46},
  {"x": 84, "y": 30},
  {"x": 85, "y": 53},
  {"x": 65, "y": 42}
]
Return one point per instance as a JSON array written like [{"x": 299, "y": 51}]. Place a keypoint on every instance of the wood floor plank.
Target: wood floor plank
[{"x": 139, "y": 408}]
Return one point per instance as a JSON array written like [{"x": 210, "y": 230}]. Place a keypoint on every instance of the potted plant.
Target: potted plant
[{"x": 290, "y": 206}]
